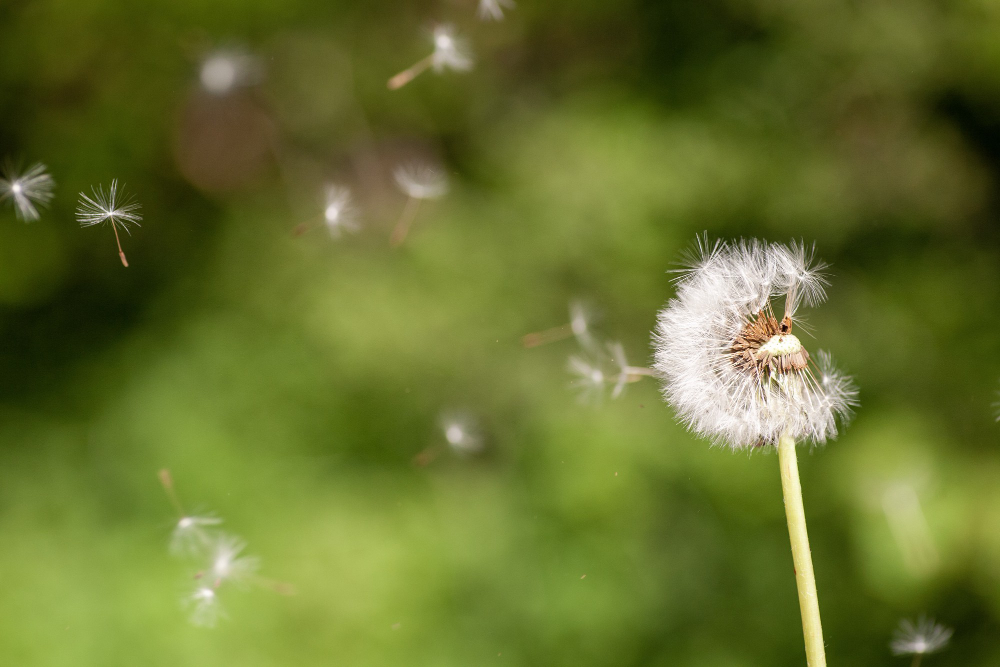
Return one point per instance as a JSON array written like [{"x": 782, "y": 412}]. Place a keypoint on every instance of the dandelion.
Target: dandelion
[
  {"x": 492, "y": 10},
  {"x": 736, "y": 374},
  {"x": 225, "y": 70},
  {"x": 226, "y": 563},
  {"x": 580, "y": 321},
  {"x": 418, "y": 181},
  {"x": 450, "y": 52},
  {"x": 26, "y": 190},
  {"x": 920, "y": 638},
  {"x": 205, "y": 607},
  {"x": 109, "y": 206}
]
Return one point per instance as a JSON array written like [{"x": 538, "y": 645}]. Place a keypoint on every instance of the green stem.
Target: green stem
[
  {"x": 805, "y": 580},
  {"x": 916, "y": 660}
]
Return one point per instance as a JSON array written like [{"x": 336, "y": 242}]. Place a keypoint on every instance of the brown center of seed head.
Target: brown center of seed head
[{"x": 767, "y": 347}]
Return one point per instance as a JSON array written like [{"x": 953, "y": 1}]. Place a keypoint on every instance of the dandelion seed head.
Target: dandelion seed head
[
  {"x": 450, "y": 51},
  {"x": 27, "y": 190},
  {"x": 421, "y": 181},
  {"x": 924, "y": 636},
  {"x": 731, "y": 368}
]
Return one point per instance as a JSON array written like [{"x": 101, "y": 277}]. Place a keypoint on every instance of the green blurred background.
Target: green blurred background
[{"x": 289, "y": 382}]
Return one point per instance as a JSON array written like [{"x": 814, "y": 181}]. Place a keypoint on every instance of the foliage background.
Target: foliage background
[{"x": 288, "y": 382}]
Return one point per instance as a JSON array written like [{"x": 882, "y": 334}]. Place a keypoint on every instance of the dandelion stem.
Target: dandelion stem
[
  {"x": 402, "y": 227},
  {"x": 805, "y": 580},
  {"x": 118, "y": 241},
  {"x": 409, "y": 74},
  {"x": 916, "y": 660}
]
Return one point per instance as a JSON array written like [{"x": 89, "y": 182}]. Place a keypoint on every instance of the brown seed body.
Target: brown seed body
[{"x": 759, "y": 330}]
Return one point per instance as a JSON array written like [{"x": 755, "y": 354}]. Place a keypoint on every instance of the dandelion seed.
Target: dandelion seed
[
  {"x": 626, "y": 372},
  {"x": 27, "y": 190},
  {"x": 109, "y": 206},
  {"x": 450, "y": 52},
  {"x": 492, "y": 10},
  {"x": 226, "y": 563},
  {"x": 734, "y": 372},
  {"x": 596, "y": 369},
  {"x": 418, "y": 181},
  {"x": 339, "y": 214},
  {"x": 590, "y": 378},
  {"x": 462, "y": 434},
  {"x": 920, "y": 638},
  {"x": 204, "y": 606},
  {"x": 192, "y": 535},
  {"x": 225, "y": 70},
  {"x": 579, "y": 326}
]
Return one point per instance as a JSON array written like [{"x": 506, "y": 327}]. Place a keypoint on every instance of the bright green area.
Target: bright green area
[{"x": 288, "y": 382}]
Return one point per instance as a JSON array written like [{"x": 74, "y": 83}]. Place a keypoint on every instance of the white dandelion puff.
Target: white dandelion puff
[
  {"x": 27, "y": 190},
  {"x": 192, "y": 535},
  {"x": 920, "y": 638},
  {"x": 450, "y": 52},
  {"x": 734, "y": 372},
  {"x": 204, "y": 606},
  {"x": 225, "y": 70},
  {"x": 492, "y": 10},
  {"x": 462, "y": 434},
  {"x": 226, "y": 562},
  {"x": 109, "y": 206},
  {"x": 418, "y": 181},
  {"x": 339, "y": 213}
]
